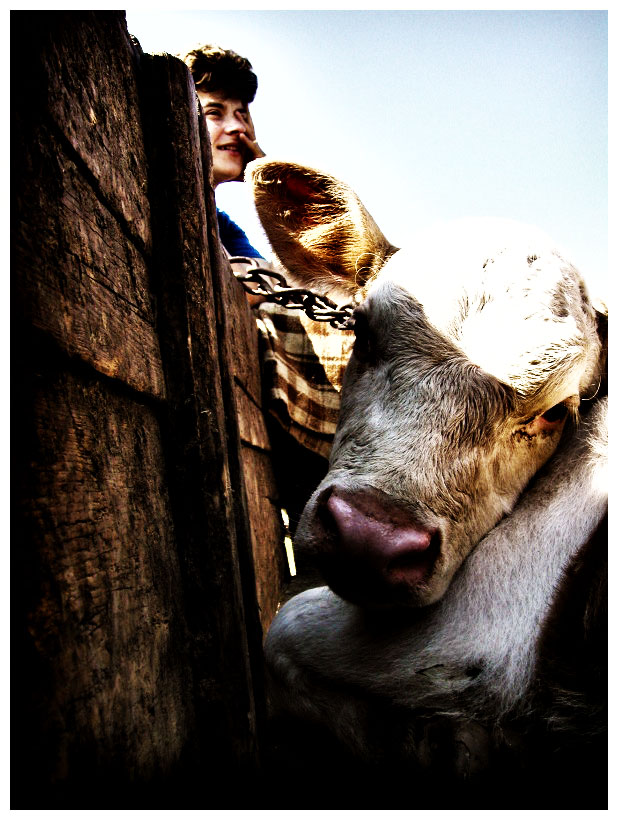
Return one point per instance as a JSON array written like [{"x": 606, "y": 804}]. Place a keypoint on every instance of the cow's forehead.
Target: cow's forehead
[
  {"x": 462, "y": 257},
  {"x": 502, "y": 293}
]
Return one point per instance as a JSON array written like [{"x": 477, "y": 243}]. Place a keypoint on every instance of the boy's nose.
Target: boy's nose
[{"x": 235, "y": 125}]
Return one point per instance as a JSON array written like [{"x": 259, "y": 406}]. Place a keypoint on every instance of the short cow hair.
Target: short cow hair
[{"x": 218, "y": 69}]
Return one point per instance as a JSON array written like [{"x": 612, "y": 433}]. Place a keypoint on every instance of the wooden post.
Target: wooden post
[{"x": 136, "y": 644}]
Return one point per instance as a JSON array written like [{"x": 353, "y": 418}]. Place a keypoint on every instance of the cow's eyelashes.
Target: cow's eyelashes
[
  {"x": 556, "y": 413},
  {"x": 363, "y": 342},
  {"x": 547, "y": 421}
]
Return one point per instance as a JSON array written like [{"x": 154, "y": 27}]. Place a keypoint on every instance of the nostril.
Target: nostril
[
  {"x": 371, "y": 547},
  {"x": 364, "y": 526},
  {"x": 324, "y": 514},
  {"x": 412, "y": 562},
  {"x": 403, "y": 562}
]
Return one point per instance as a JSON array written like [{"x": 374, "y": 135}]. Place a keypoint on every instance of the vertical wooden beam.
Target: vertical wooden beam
[
  {"x": 101, "y": 672},
  {"x": 201, "y": 438},
  {"x": 138, "y": 655}
]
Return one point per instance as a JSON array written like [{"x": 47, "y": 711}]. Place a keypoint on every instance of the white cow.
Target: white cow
[{"x": 460, "y": 525}]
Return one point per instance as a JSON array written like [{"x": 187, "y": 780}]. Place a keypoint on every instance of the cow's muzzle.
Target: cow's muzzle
[{"x": 372, "y": 550}]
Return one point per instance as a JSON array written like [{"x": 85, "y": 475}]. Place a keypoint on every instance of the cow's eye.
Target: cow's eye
[
  {"x": 362, "y": 344},
  {"x": 556, "y": 413},
  {"x": 548, "y": 421}
]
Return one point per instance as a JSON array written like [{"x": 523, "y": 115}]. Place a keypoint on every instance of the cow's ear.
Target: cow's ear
[
  {"x": 601, "y": 312},
  {"x": 317, "y": 226}
]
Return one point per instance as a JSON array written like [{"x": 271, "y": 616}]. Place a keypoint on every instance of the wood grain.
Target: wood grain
[
  {"x": 143, "y": 491},
  {"x": 83, "y": 281},
  {"x": 90, "y": 73},
  {"x": 105, "y": 617}
]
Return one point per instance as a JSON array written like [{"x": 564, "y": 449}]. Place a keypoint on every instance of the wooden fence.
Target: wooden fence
[{"x": 147, "y": 555}]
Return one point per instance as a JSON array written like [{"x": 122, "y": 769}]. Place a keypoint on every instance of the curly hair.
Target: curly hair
[{"x": 218, "y": 69}]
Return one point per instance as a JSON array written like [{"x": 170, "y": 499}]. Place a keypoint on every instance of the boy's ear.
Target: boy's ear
[{"x": 317, "y": 226}]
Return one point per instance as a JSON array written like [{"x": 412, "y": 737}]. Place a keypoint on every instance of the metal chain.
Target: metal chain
[{"x": 317, "y": 307}]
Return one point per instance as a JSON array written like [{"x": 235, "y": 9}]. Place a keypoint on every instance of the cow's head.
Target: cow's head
[{"x": 474, "y": 348}]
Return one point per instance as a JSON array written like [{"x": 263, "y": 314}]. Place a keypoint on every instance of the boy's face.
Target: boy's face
[{"x": 227, "y": 120}]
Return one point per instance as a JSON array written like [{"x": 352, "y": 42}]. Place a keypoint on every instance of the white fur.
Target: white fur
[
  {"x": 489, "y": 618},
  {"x": 477, "y": 330}
]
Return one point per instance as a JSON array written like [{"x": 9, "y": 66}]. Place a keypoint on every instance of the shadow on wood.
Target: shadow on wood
[{"x": 143, "y": 496}]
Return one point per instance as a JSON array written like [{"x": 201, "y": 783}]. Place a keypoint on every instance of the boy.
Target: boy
[{"x": 226, "y": 85}]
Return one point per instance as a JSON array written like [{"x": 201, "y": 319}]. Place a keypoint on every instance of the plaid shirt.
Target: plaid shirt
[{"x": 303, "y": 364}]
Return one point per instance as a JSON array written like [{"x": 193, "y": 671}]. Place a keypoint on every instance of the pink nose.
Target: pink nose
[{"x": 377, "y": 541}]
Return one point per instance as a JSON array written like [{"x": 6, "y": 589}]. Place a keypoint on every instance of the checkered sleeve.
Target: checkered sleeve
[{"x": 303, "y": 364}]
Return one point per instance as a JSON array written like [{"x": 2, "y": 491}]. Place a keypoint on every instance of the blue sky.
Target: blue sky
[{"x": 428, "y": 115}]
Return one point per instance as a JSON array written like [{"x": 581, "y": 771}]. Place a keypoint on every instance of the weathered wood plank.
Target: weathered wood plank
[
  {"x": 90, "y": 93},
  {"x": 252, "y": 427},
  {"x": 267, "y": 535},
  {"x": 245, "y": 363},
  {"x": 201, "y": 435},
  {"x": 81, "y": 279},
  {"x": 271, "y": 568},
  {"x": 100, "y": 581},
  {"x": 141, "y": 645}
]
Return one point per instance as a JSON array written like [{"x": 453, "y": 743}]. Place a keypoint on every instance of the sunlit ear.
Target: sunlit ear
[{"x": 317, "y": 226}]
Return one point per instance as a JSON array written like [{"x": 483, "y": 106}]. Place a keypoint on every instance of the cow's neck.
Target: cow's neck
[{"x": 485, "y": 630}]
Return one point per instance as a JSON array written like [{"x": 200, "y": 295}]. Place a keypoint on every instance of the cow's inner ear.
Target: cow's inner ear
[{"x": 317, "y": 226}]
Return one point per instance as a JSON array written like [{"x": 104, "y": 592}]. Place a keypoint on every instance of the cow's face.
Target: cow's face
[
  {"x": 472, "y": 352},
  {"x": 432, "y": 447}
]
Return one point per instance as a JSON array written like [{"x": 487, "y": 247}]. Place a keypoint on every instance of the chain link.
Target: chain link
[{"x": 258, "y": 281}]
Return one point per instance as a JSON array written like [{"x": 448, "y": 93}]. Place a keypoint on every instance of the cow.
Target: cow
[{"x": 461, "y": 527}]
